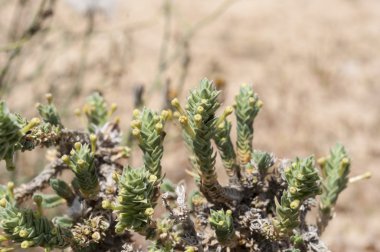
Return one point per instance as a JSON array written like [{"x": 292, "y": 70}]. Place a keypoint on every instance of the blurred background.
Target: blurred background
[{"x": 315, "y": 64}]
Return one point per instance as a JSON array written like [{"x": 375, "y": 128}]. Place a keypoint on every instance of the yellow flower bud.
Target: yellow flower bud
[
  {"x": 175, "y": 102},
  {"x": 149, "y": 211},
  {"x": 65, "y": 159},
  {"x": 11, "y": 185},
  {"x": 81, "y": 163},
  {"x": 251, "y": 101},
  {"x": 49, "y": 98},
  {"x": 23, "y": 233},
  {"x": 136, "y": 113},
  {"x": 260, "y": 103},
  {"x": 229, "y": 110},
  {"x": 26, "y": 244},
  {"x": 292, "y": 190},
  {"x": 152, "y": 178},
  {"x": 176, "y": 114},
  {"x": 136, "y": 124},
  {"x": 159, "y": 127},
  {"x": 3, "y": 202},
  {"x": 183, "y": 119},
  {"x": 77, "y": 146},
  {"x": 96, "y": 236},
  {"x": 197, "y": 118},
  {"x": 106, "y": 204},
  {"x": 321, "y": 161},
  {"x": 295, "y": 204},
  {"x": 136, "y": 132}
]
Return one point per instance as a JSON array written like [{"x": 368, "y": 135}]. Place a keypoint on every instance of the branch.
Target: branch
[
  {"x": 45, "y": 10},
  {"x": 167, "y": 6},
  {"x": 182, "y": 50},
  {"x": 181, "y": 216},
  {"x": 25, "y": 191}
]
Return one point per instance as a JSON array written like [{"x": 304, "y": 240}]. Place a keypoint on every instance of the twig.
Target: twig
[
  {"x": 83, "y": 55},
  {"x": 25, "y": 191},
  {"x": 208, "y": 19},
  {"x": 167, "y": 7},
  {"x": 16, "y": 18},
  {"x": 182, "y": 49},
  {"x": 180, "y": 214},
  {"x": 185, "y": 63},
  {"x": 45, "y": 10},
  {"x": 167, "y": 95},
  {"x": 360, "y": 177}
]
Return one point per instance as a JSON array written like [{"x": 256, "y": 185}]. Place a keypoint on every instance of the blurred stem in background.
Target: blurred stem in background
[
  {"x": 90, "y": 16},
  {"x": 163, "y": 54},
  {"x": 45, "y": 10},
  {"x": 182, "y": 50},
  {"x": 18, "y": 13}
]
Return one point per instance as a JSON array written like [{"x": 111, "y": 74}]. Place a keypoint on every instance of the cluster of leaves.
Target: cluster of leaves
[
  {"x": 263, "y": 207},
  {"x": 27, "y": 227},
  {"x": 303, "y": 183}
]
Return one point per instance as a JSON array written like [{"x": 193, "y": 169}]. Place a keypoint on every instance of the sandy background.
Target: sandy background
[{"x": 315, "y": 64}]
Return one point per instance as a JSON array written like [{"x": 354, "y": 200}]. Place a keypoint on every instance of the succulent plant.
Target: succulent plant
[
  {"x": 97, "y": 111},
  {"x": 30, "y": 229},
  {"x": 303, "y": 182},
  {"x": 263, "y": 207},
  {"x": 49, "y": 112},
  {"x": 81, "y": 161},
  {"x": 136, "y": 201},
  {"x": 223, "y": 224}
]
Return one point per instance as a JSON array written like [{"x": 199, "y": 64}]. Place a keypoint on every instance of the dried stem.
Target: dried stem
[
  {"x": 167, "y": 8},
  {"x": 26, "y": 191},
  {"x": 45, "y": 10}
]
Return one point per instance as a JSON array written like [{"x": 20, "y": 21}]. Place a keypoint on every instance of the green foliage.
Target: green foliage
[
  {"x": 247, "y": 107},
  {"x": 10, "y": 135},
  {"x": 136, "y": 201},
  {"x": 50, "y": 200},
  {"x": 97, "y": 112},
  {"x": 148, "y": 128},
  {"x": 198, "y": 121},
  {"x": 30, "y": 229},
  {"x": 263, "y": 160},
  {"x": 262, "y": 208},
  {"x": 303, "y": 182},
  {"x": 167, "y": 186},
  {"x": 62, "y": 189},
  {"x": 222, "y": 222},
  {"x": 81, "y": 162},
  {"x": 302, "y": 179},
  {"x": 197, "y": 200},
  {"x": 43, "y": 135},
  {"x": 63, "y": 221},
  {"x": 287, "y": 215},
  {"x": 16, "y": 133},
  {"x": 335, "y": 170},
  {"x": 49, "y": 113},
  {"x": 223, "y": 142}
]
